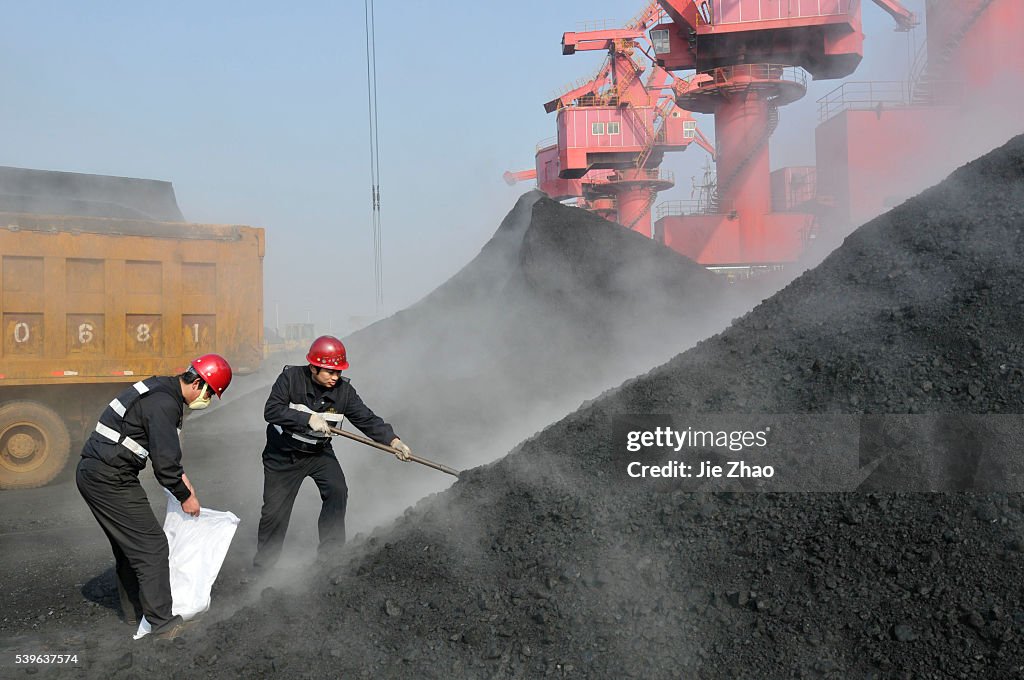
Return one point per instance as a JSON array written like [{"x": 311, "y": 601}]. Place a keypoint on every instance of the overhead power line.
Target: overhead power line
[{"x": 371, "y": 103}]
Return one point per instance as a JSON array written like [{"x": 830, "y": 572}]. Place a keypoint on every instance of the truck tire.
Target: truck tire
[{"x": 34, "y": 445}]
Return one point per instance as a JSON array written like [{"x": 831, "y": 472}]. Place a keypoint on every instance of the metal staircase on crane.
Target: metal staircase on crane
[
  {"x": 922, "y": 93},
  {"x": 652, "y": 196},
  {"x": 714, "y": 205}
]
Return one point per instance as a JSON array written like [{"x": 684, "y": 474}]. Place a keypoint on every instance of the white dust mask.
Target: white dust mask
[{"x": 202, "y": 401}]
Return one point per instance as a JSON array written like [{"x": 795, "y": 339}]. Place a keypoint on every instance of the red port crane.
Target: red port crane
[
  {"x": 614, "y": 129},
  {"x": 749, "y": 58}
]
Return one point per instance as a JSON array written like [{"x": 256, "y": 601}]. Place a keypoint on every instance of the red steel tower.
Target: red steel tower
[{"x": 749, "y": 57}]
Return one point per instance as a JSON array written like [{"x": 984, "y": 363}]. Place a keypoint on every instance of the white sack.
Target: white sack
[{"x": 198, "y": 546}]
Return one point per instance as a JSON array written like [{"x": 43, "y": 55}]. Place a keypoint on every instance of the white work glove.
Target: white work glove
[
  {"x": 402, "y": 452},
  {"x": 318, "y": 424}
]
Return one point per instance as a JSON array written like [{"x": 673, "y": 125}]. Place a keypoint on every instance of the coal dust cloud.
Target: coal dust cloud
[{"x": 518, "y": 335}]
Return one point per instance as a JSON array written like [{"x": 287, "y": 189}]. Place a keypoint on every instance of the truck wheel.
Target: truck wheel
[{"x": 34, "y": 444}]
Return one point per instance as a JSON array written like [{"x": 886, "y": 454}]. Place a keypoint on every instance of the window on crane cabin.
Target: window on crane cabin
[
  {"x": 597, "y": 129},
  {"x": 689, "y": 129},
  {"x": 613, "y": 127},
  {"x": 659, "y": 39}
]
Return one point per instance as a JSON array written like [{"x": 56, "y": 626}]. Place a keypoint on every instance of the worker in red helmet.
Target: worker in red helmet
[
  {"x": 142, "y": 424},
  {"x": 304, "y": 403}
]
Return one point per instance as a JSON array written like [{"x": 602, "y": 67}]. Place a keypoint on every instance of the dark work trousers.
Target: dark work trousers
[
  {"x": 283, "y": 474},
  {"x": 120, "y": 505}
]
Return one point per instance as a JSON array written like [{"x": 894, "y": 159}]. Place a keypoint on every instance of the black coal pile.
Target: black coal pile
[
  {"x": 558, "y": 306},
  {"x": 545, "y": 564}
]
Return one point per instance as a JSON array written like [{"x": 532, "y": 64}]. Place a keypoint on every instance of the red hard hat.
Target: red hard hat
[
  {"x": 215, "y": 370},
  {"x": 327, "y": 352}
]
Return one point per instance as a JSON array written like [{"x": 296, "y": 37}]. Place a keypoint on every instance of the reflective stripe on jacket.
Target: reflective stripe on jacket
[
  {"x": 143, "y": 423},
  {"x": 295, "y": 396}
]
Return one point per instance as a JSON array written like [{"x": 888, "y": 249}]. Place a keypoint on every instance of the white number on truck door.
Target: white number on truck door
[
  {"x": 198, "y": 333},
  {"x": 85, "y": 333},
  {"x": 23, "y": 334},
  {"x": 143, "y": 334}
]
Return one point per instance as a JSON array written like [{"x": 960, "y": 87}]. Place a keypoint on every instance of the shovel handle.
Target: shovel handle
[{"x": 392, "y": 451}]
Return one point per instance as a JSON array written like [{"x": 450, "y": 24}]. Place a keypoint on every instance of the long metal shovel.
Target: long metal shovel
[{"x": 388, "y": 449}]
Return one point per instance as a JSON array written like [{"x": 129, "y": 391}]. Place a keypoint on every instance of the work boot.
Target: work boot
[{"x": 172, "y": 629}]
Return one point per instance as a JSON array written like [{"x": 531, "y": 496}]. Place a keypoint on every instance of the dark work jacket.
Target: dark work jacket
[
  {"x": 295, "y": 390},
  {"x": 153, "y": 422}
]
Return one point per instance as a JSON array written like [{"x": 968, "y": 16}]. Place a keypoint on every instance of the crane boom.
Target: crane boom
[
  {"x": 512, "y": 176},
  {"x": 905, "y": 19}
]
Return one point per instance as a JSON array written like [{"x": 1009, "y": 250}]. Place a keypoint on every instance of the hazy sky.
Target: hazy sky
[{"x": 257, "y": 113}]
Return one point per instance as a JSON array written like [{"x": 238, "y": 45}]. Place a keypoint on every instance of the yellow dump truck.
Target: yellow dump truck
[{"x": 91, "y": 302}]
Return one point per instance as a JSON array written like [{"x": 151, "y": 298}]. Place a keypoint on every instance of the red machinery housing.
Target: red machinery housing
[
  {"x": 586, "y": 190},
  {"x": 877, "y": 144}
]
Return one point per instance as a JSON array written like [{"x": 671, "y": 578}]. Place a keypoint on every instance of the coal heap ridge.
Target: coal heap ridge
[
  {"x": 540, "y": 564},
  {"x": 559, "y": 304}
]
